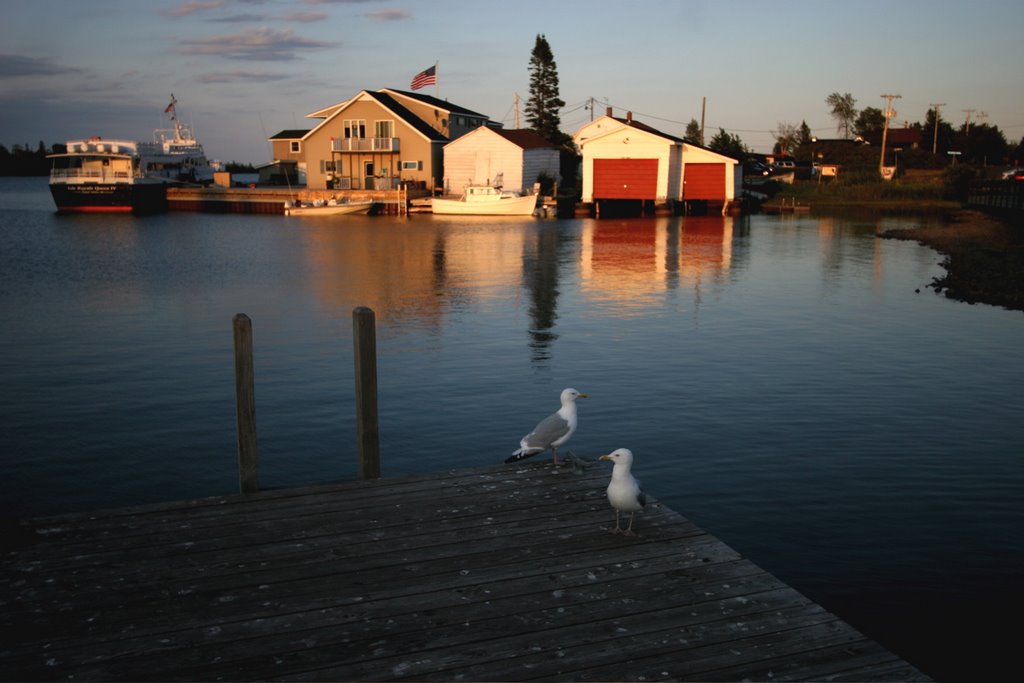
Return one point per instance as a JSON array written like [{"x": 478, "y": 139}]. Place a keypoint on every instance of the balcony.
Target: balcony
[{"x": 365, "y": 145}]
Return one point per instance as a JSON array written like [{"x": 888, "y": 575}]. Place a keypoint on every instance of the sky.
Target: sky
[{"x": 243, "y": 70}]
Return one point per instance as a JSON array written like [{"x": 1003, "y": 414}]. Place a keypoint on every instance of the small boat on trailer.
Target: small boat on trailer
[{"x": 484, "y": 200}]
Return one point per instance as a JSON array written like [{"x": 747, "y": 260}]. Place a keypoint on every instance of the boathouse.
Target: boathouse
[
  {"x": 377, "y": 140},
  {"x": 517, "y": 157},
  {"x": 628, "y": 164}
]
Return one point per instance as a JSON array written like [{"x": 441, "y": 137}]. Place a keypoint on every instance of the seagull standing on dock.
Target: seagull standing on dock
[
  {"x": 624, "y": 492},
  {"x": 551, "y": 432}
]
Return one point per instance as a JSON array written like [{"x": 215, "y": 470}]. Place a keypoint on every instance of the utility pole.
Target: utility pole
[
  {"x": 935, "y": 141},
  {"x": 889, "y": 113},
  {"x": 517, "y": 110},
  {"x": 703, "y": 107},
  {"x": 967, "y": 130}
]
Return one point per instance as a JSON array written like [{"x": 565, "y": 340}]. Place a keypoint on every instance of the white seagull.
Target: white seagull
[
  {"x": 551, "y": 432},
  {"x": 624, "y": 491}
]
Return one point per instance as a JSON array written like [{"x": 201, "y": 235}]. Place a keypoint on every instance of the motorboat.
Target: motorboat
[
  {"x": 485, "y": 200},
  {"x": 330, "y": 207}
]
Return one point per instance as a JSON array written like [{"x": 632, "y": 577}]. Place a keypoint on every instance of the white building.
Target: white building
[{"x": 516, "y": 157}]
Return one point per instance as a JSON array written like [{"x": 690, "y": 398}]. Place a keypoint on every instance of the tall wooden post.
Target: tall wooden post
[
  {"x": 364, "y": 341},
  {"x": 245, "y": 406}
]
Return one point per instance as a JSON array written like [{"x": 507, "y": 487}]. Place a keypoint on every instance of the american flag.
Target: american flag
[{"x": 425, "y": 78}]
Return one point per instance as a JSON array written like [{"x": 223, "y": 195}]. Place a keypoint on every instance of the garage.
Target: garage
[
  {"x": 704, "y": 182},
  {"x": 626, "y": 179}
]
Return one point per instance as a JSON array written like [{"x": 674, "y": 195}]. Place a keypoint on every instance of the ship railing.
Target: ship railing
[{"x": 76, "y": 174}]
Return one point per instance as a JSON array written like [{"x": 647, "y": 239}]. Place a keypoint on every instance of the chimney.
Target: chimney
[
  {"x": 608, "y": 111},
  {"x": 629, "y": 117}
]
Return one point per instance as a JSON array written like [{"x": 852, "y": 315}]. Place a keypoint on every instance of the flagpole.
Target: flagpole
[{"x": 437, "y": 82}]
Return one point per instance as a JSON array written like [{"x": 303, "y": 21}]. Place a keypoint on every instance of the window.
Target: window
[
  {"x": 412, "y": 165},
  {"x": 296, "y": 146},
  {"x": 383, "y": 129},
  {"x": 327, "y": 166},
  {"x": 355, "y": 128}
]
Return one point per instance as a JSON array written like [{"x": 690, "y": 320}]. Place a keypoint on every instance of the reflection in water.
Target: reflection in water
[
  {"x": 628, "y": 264},
  {"x": 540, "y": 279}
]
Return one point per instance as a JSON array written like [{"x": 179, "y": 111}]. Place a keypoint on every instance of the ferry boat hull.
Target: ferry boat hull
[{"x": 142, "y": 198}]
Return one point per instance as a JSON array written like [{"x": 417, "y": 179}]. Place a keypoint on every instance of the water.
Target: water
[{"x": 779, "y": 379}]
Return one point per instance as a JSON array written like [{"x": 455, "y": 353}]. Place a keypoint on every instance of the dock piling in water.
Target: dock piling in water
[
  {"x": 364, "y": 340},
  {"x": 245, "y": 406}
]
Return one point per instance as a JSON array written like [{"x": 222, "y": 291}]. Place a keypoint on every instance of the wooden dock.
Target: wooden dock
[{"x": 498, "y": 573}]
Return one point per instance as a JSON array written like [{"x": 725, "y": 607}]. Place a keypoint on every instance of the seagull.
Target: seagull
[
  {"x": 624, "y": 491},
  {"x": 551, "y": 432}
]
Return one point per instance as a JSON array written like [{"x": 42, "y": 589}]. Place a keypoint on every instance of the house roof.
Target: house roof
[
  {"x": 397, "y": 108},
  {"x": 290, "y": 134},
  {"x": 523, "y": 137},
  {"x": 633, "y": 123},
  {"x": 435, "y": 102}
]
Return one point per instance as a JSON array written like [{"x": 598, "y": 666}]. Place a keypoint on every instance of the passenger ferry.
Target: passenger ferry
[{"x": 97, "y": 175}]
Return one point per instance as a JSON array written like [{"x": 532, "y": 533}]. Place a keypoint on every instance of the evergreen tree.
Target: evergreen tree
[
  {"x": 544, "y": 103},
  {"x": 728, "y": 144},
  {"x": 692, "y": 134},
  {"x": 805, "y": 133}
]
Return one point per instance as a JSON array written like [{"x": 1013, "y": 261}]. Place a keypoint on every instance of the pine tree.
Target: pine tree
[{"x": 544, "y": 104}]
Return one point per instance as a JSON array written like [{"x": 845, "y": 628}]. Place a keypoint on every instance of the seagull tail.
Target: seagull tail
[{"x": 523, "y": 453}]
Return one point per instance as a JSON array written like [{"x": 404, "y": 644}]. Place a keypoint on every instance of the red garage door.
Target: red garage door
[
  {"x": 625, "y": 178},
  {"x": 704, "y": 181}
]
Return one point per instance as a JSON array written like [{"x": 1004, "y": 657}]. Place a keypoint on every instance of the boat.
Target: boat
[
  {"x": 331, "y": 207},
  {"x": 174, "y": 155},
  {"x": 98, "y": 175},
  {"x": 484, "y": 200}
]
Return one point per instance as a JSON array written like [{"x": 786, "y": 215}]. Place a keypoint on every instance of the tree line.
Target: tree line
[{"x": 24, "y": 160}]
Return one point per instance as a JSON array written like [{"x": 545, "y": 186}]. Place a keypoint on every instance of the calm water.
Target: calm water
[{"x": 778, "y": 378}]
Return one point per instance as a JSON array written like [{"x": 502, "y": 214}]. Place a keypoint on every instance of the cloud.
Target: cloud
[
  {"x": 14, "y": 66},
  {"x": 246, "y": 76},
  {"x": 193, "y": 6},
  {"x": 390, "y": 15},
  {"x": 257, "y": 44},
  {"x": 304, "y": 17}
]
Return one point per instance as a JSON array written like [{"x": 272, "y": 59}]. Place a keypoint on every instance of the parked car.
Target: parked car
[{"x": 1014, "y": 174}]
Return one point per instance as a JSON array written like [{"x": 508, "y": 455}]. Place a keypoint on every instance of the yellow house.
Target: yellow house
[{"x": 376, "y": 140}]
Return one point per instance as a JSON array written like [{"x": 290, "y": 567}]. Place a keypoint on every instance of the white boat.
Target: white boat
[
  {"x": 97, "y": 175},
  {"x": 483, "y": 200},
  {"x": 174, "y": 155},
  {"x": 331, "y": 207}
]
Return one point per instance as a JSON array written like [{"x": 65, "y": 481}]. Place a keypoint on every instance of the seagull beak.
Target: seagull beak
[
  {"x": 582, "y": 395},
  {"x": 605, "y": 457}
]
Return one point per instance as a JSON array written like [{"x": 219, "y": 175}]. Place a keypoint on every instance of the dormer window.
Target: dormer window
[{"x": 296, "y": 146}]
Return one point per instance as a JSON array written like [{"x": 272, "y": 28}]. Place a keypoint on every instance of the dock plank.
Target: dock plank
[{"x": 497, "y": 573}]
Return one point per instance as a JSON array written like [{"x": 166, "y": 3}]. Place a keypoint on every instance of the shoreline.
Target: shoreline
[{"x": 984, "y": 258}]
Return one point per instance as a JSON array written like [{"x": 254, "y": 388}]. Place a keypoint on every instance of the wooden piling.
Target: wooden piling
[
  {"x": 245, "y": 405},
  {"x": 364, "y": 340}
]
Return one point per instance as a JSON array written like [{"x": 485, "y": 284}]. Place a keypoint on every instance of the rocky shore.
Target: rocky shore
[{"x": 984, "y": 258}]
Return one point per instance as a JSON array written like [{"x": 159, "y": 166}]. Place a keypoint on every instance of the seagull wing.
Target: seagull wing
[{"x": 550, "y": 429}]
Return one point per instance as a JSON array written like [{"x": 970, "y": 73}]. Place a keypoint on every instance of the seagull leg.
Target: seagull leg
[
  {"x": 616, "y": 530},
  {"x": 629, "y": 529},
  {"x": 554, "y": 453}
]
